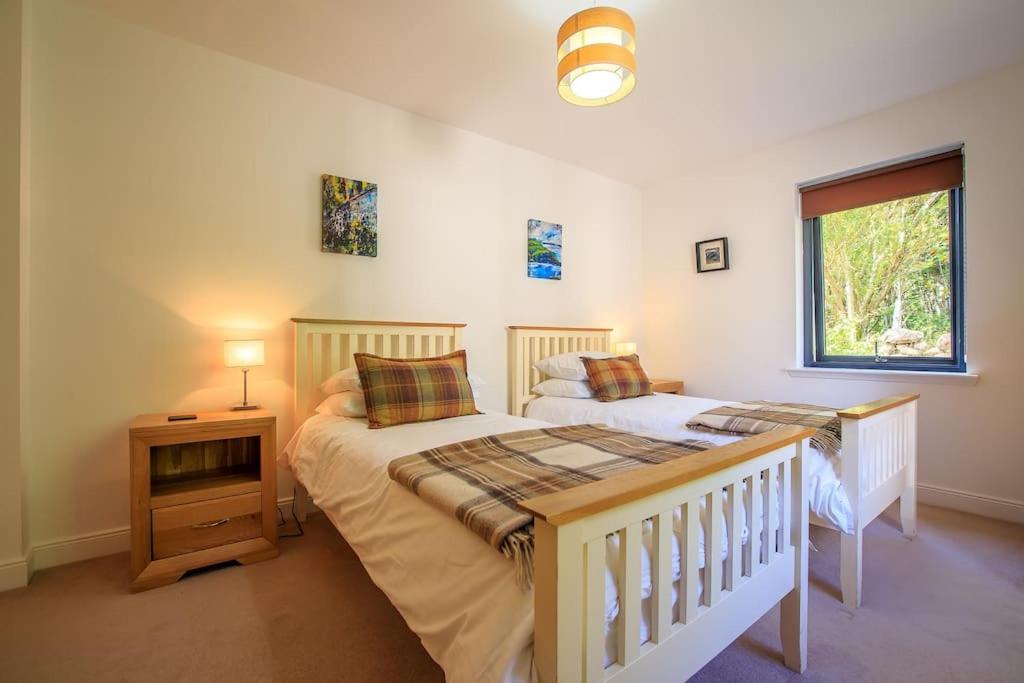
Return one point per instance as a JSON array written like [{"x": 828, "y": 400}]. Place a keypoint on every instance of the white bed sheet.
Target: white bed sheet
[
  {"x": 666, "y": 415},
  {"x": 464, "y": 603},
  {"x": 455, "y": 592}
]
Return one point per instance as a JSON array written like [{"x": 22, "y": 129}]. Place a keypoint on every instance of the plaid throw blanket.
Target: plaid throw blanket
[
  {"x": 757, "y": 417},
  {"x": 480, "y": 481}
]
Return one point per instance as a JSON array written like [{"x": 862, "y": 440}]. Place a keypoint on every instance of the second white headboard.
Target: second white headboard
[{"x": 527, "y": 345}]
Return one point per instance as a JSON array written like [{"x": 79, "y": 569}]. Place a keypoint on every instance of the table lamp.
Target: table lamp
[
  {"x": 245, "y": 354},
  {"x": 625, "y": 348}
]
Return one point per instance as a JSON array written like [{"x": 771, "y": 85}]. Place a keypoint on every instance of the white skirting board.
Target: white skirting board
[
  {"x": 77, "y": 548},
  {"x": 16, "y": 574},
  {"x": 984, "y": 506},
  {"x": 13, "y": 575}
]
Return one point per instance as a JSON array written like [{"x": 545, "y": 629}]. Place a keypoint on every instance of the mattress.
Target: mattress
[
  {"x": 666, "y": 415},
  {"x": 455, "y": 592}
]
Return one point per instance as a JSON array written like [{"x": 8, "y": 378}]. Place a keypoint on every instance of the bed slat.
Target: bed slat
[
  {"x": 689, "y": 590},
  {"x": 734, "y": 516},
  {"x": 661, "y": 577},
  {"x": 629, "y": 593},
  {"x": 771, "y": 514},
  {"x": 594, "y": 645},
  {"x": 756, "y": 515},
  {"x": 334, "y": 354},
  {"x": 318, "y": 352},
  {"x": 786, "y": 517},
  {"x": 713, "y": 549}
]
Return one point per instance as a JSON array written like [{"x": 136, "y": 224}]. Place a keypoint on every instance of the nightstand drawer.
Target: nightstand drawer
[{"x": 186, "y": 528}]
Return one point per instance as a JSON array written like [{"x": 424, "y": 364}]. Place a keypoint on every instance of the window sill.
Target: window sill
[{"x": 960, "y": 378}]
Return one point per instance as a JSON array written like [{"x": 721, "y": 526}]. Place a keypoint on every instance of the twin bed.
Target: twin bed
[
  {"x": 643, "y": 576},
  {"x": 877, "y": 467}
]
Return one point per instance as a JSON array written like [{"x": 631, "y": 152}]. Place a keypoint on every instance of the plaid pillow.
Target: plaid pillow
[
  {"x": 414, "y": 390},
  {"x": 615, "y": 378}
]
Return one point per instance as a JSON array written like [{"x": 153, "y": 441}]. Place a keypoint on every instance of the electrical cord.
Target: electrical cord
[{"x": 301, "y": 532}]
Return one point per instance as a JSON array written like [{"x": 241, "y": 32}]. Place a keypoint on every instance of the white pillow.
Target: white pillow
[
  {"x": 343, "y": 380},
  {"x": 343, "y": 404},
  {"x": 568, "y": 365},
  {"x": 348, "y": 380},
  {"x": 566, "y": 388},
  {"x": 476, "y": 384}
]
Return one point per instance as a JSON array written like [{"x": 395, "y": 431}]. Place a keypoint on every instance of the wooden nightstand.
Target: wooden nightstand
[
  {"x": 667, "y": 386},
  {"x": 203, "y": 491}
]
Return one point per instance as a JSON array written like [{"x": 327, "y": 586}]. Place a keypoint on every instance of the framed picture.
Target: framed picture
[
  {"x": 349, "y": 216},
  {"x": 713, "y": 255},
  {"x": 543, "y": 250}
]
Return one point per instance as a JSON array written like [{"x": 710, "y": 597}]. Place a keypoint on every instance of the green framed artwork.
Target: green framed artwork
[{"x": 349, "y": 216}]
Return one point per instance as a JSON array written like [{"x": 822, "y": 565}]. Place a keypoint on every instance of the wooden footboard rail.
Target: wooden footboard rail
[
  {"x": 766, "y": 473},
  {"x": 879, "y": 464}
]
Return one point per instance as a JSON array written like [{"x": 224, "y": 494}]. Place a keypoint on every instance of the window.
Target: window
[{"x": 883, "y": 268}]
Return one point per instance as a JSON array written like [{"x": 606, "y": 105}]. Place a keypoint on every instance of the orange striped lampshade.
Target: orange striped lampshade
[{"x": 596, "y": 57}]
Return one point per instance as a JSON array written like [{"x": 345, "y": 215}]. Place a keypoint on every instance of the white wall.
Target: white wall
[
  {"x": 731, "y": 334},
  {"x": 175, "y": 202},
  {"x": 12, "y": 566}
]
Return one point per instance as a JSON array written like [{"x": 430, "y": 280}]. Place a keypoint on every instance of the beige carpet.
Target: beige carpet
[{"x": 948, "y": 606}]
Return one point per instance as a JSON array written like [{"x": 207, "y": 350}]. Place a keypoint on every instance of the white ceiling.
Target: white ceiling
[{"x": 715, "y": 77}]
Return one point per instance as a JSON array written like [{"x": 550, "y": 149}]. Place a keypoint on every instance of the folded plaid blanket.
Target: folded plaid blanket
[
  {"x": 481, "y": 481},
  {"x": 757, "y": 417}
]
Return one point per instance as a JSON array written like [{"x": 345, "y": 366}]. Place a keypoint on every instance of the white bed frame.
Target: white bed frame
[
  {"x": 571, "y": 528},
  {"x": 879, "y": 441}
]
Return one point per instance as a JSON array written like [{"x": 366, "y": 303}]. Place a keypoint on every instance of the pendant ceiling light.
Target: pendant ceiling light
[{"x": 596, "y": 57}]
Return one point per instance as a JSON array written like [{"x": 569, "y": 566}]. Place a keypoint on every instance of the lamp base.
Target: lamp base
[{"x": 245, "y": 406}]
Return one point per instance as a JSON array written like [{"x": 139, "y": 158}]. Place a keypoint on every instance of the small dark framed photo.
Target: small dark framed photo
[{"x": 713, "y": 255}]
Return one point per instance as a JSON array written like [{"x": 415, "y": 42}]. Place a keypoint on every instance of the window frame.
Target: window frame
[{"x": 814, "y": 314}]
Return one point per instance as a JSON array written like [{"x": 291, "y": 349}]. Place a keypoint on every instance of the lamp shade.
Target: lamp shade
[
  {"x": 596, "y": 57},
  {"x": 625, "y": 348},
  {"x": 243, "y": 353}
]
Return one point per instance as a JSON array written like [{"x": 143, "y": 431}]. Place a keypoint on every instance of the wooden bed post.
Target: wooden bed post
[
  {"x": 558, "y": 605},
  {"x": 794, "y": 605},
  {"x": 879, "y": 467},
  {"x": 908, "y": 499},
  {"x": 851, "y": 545}
]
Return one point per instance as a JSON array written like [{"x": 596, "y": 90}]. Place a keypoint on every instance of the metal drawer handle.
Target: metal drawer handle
[{"x": 208, "y": 525}]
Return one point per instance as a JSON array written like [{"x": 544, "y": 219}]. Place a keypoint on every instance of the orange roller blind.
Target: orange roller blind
[{"x": 929, "y": 174}]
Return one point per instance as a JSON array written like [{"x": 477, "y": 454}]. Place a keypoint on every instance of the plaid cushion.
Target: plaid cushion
[
  {"x": 399, "y": 391},
  {"x": 615, "y": 378}
]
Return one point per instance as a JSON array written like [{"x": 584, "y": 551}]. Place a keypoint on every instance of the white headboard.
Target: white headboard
[
  {"x": 527, "y": 345},
  {"x": 322, "y": 347}
]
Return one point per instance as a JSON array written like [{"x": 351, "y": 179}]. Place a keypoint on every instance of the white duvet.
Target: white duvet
[
  {"x": 666, "y": 415},
  {"x": 456, "y": 593}
]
